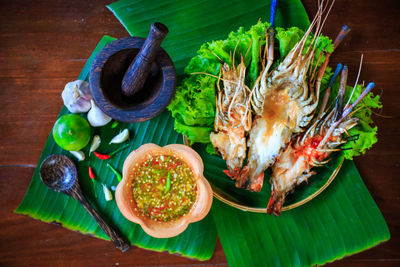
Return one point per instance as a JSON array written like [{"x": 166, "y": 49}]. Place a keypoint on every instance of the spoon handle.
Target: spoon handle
[{"x": 119, "y": 242}]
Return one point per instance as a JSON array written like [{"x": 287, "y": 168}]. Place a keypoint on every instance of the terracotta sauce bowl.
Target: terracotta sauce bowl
[{"x": 126, "y": 202}]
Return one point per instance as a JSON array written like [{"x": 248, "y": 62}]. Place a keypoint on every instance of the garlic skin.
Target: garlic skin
[
  {"x": 121, "y": 137},
  {"x": 78, "y": 154},
  {"x": 76, "y": 96},
  {"x": 96, "y": 117}
]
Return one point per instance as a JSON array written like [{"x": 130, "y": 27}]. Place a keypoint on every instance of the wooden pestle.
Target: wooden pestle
[{"x": 138, "y": 71}]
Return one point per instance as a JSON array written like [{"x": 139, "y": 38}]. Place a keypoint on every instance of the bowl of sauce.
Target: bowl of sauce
[{"x": 163, "y": 189}]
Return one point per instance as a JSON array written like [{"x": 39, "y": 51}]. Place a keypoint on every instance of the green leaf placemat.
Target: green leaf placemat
[
  {"x": 341, "y": 221},
  {"x": 199, "y": 239}
]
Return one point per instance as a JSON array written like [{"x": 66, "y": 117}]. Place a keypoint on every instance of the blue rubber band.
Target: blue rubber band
[
  {"x": 338, "y": 69},
  {"x": 273, "y": 11}
]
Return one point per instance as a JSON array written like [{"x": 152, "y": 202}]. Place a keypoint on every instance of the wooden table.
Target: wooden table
[{"x": 44, "y": 44}]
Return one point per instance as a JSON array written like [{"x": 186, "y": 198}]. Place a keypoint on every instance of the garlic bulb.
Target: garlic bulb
[
  {"x": 76, "y": 96},
  {"x": 96, "y": 117}
]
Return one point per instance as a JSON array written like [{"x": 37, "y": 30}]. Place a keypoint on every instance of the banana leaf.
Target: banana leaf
[
  {"x": 199, "y": 239},
  {"x": 341, "y": 221}
]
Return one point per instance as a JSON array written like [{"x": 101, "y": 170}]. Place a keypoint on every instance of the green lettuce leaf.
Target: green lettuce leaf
[{"x": 287, "y": 39}]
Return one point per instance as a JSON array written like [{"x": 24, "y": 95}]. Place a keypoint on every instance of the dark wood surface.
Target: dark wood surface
[{"x": 44, "y": 44}]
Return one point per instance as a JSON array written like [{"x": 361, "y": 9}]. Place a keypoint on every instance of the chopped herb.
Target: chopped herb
[{"x": 168, "y": 184}]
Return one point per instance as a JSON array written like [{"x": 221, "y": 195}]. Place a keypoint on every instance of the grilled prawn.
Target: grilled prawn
[
  {"x": 284, "y": 102},
  {"x": 233, "y": 117},
  {"x": 312, "y": 148}
]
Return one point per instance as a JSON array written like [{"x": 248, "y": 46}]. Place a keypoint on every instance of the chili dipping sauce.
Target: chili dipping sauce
[{"x": 164, "y": 188}]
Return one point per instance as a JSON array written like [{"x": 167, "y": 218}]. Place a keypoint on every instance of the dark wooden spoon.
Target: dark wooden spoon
[{"x": 59, "y": 173}]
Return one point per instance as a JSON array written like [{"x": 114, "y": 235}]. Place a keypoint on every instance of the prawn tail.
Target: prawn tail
[
  {"x": 257, "y": 183},
  {"x": 275, "y": 203},
  {"x": 242, "y": 177}
]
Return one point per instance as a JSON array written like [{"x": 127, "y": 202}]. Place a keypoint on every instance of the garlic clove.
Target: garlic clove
[
  {"x": 78, "y": 154},
  {"x": 96, "y": 117},
  {"x": 95, "y": 143},
  {"x": 76, "y": 96},
  {"x": 121, "y": 137},
  {"x": 107, "y": 193}
]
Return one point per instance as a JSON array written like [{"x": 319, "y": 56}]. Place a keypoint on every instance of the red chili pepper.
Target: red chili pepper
[
  {"x": 92, "y": 176},
  {"x": 162, "y": 180},
  {"x": 107, "y": 156},
  {"x": 183, "y": 199},
  {"x": 91, "y": 173},
  {"x": 101, "y": 156}
]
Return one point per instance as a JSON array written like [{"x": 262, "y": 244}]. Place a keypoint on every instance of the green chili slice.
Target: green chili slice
[
  {"x": 115, "y": 124},
  {"x": 119, "y": 177},
  {"x": 167, "y": 183}
]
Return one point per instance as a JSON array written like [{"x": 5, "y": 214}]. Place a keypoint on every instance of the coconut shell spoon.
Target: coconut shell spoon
[{"x": 59, "y": 173}]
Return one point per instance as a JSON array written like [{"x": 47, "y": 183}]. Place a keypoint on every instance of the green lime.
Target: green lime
[{"x": 71, "y": 132}]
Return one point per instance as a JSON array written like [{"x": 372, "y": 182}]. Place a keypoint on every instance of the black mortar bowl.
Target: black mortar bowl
[{"x": 133, "y": 79}]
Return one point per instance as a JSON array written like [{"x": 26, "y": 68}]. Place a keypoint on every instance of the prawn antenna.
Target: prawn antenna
[
  {"x": 339, "y": 100},
  {"x": 352, "y": 137},
  {"x": 328, "y": 90},
  {"x": 355, "y": 84},
  {"x": 343, "y": 32},
  {"x": 368, "y": 89},
  {"x": 212, "y": 52}
]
